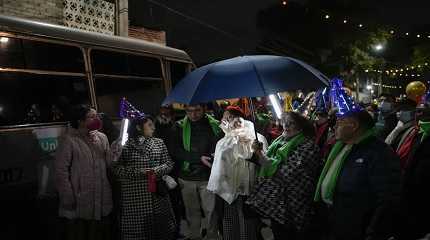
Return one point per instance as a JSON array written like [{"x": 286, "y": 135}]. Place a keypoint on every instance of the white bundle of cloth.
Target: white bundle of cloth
[{"x": 231, "y": 174}]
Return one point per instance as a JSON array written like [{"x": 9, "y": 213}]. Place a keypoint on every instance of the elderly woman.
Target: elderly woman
[
  {"x": 232, "y": 176},
  {"x": 289, "y": 171},
  {"x": 145, "y": 210}
]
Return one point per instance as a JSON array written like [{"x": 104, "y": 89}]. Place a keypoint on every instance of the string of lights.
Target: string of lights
[
  {"x": 387, "y": 86},
  {"x": 331, "y": 18},
  {"x": 407, "y": 70},
  {"x": 346, "y": 21}
]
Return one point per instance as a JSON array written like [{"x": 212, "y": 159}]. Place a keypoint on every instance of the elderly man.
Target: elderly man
[{"x": 360, "y": 182}]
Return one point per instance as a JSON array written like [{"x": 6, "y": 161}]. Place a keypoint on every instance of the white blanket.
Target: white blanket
[{"x": 231, "y": 174}]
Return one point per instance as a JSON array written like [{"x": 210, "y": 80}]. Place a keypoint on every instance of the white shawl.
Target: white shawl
[{"x": 232, "y": 175}]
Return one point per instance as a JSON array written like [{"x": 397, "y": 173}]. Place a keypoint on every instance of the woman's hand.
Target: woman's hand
[
  {"x": 116, "y": 147},
  {"x": 257, "y": 146}
]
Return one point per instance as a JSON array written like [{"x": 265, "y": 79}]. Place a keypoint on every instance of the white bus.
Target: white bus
[{"x": 44, "y": 69}]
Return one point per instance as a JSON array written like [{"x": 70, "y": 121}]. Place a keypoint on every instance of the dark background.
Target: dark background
[{"x": 214, "y": 30}]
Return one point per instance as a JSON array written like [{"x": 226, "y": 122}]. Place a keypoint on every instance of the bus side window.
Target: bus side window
[
  {"x": 117, "y": 75},
  {"x": 39, "y": 81},
  {"x": 27, "y": 98}
]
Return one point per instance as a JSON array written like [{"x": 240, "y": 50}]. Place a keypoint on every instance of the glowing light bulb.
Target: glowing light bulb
[{"x": 4, "y": 39}]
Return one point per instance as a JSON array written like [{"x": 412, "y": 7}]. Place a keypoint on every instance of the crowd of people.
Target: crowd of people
[{"x": 333, "y": 170}]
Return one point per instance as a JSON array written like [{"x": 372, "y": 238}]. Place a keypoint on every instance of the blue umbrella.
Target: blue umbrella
[{"x": 247, "y": 76}]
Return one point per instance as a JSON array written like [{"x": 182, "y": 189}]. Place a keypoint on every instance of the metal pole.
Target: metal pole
[{"x": 253, "y": 117}]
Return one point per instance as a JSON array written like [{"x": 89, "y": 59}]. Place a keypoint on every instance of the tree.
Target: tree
[
  {"x": 361, "y": 52},
  {"x": 421, "y": 54}
]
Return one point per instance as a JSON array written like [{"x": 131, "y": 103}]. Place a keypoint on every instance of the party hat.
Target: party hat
[
  {"x": 305, "y": 107},
  {"x": 288, "y": 101},
  {"x": 341, "y": 101},
  {"x": 126, "y": 110},
  {"x": 424, "y": 101}
]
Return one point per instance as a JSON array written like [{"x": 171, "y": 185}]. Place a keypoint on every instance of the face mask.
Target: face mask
[
  {"x": 385, "y": 107},
  {"x": 405, "y": 116},
  {"x": 94, "y": 124}
]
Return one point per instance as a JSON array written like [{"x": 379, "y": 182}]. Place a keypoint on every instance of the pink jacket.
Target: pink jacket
[{"x": 81, "y": 175}]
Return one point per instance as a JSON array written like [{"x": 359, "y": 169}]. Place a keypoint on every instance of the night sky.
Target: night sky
[{"x": 266, "y": 26}]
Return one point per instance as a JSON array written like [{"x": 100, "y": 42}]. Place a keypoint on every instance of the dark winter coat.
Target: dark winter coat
[
  {"x": 416, "y": 195},
  {"x": 367, "y": 191}
]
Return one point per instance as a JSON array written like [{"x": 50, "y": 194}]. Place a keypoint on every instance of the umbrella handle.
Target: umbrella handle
[{"x": 253, "y": 118}]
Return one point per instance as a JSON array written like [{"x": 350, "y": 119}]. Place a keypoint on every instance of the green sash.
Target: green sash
[
  {"x": 337, "y": 148},
  {"x": 279, "y": 151},
  {"x": 424, "y": 129}
]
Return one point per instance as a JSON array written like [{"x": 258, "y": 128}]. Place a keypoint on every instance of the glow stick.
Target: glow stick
[
  {"x": 123, "y": 133},
  {"x": 276, "y": 105}
]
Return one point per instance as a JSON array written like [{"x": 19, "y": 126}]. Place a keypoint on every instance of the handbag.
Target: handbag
[{"x": 157, "y": 186}]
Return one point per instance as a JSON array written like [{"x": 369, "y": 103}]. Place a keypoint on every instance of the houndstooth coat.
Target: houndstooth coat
[
  {"x": 142, "y": 214},
  {"x": 287, "y": 197}
]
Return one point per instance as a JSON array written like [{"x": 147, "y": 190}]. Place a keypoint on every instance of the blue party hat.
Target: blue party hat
[
  {"x": 341, "y": 101},
  {"x": 126, "y": 110}
]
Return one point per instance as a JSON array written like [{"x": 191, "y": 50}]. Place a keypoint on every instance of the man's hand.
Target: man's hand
[{"x": 206, "y": 161}]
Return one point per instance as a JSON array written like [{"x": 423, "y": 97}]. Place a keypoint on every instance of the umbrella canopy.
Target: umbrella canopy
[{"x": 247, "y": 76}]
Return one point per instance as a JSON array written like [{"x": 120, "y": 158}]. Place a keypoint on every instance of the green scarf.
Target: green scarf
[
  {"x": 424, "y": 129},
  {"x": 279, "y": 151},
  {"x": 186, "y": 135},
  {"x": 337, "y": 148}
]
